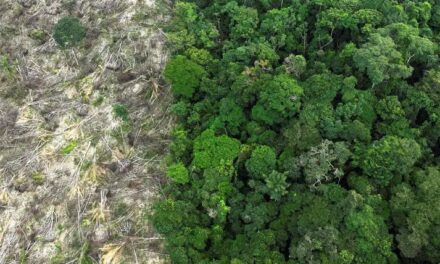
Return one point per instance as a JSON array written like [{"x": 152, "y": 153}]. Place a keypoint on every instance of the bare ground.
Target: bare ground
[{"x": 76, "y": 180}]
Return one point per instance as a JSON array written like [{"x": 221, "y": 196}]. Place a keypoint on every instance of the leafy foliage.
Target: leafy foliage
[
  {"x": 69, "y": 32},
  {"x": 380, "y": 59},
  {"x": 262, "y": 162},
  {"x": 417, "y": 215},
  {"x": 210, "y": 150},
  {"x": 324, "y": 162},
  {"x": 178, "y": 173},
  {"x": 278, "y": 101},
  {"x": 388, "y": 157},
  {"x": 184, "y": 76},
  {"x": 121, "y": 111},
  {"x": 308, "y": 132}
]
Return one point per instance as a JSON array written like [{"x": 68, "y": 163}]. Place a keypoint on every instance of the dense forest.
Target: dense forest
[{"x": 308, "y": 132}]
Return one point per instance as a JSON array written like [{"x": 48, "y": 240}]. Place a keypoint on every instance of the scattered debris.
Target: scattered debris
[{"x": 67, "y": 163}]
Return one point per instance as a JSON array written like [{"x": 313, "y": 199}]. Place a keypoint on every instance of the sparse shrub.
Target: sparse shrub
[
  {"x": 38, "y": 35},
  {"x": 38, "y": 178},
  {"x": 98, "y": 101},
  {"x": 69, "y": 32},
  {"x": 69, "y": 5},
  {"x": 66, "y": 150},
  {"x": 7, "y": 67},
  {"x": 120, "y": 111}
]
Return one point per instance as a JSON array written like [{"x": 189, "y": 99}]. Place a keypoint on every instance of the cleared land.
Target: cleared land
[{"x": 83, "y": 132}]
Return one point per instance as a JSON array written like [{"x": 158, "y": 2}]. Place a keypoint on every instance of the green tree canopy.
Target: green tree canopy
[
  {"x": 380, "y": 60},
  {"x": 307, "y": 132},
  {"x": 69, "y": 32},
  {"x": 389, "y": 157},
  {"x": 184, "y": 75}
]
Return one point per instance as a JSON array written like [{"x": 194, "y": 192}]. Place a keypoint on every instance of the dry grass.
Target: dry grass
[{"x": 97, "y": 174}]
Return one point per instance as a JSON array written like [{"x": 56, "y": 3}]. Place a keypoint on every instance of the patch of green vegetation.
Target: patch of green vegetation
[
  {"x": 60, "y": 228},
  {"x": 86, "y": 223},
  {"x": 69, "y": 32},
  {"x": 59, "y": 257},
  {"x": 84, "y": 258},
  {"x": 7, "y": 67},
  {"x": 121, "y": 111},
  {"x": 38, "y": 178},
  {"x": 67, "y": 149},
  {"x": 98, "y": 101},
  {"x": 178, "y": 173},
  {"x": 38, "y": 35},
  {"x": 23, "y": 257}
]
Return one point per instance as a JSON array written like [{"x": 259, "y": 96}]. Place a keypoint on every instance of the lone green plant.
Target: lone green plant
[
  {"x": 120, "y": 110},
  {"x": 69, "y": 32},
  {"x": 38, "y": 35},
  {"x": 7, "y": 68},
  {"x": 38, "y": 178},
  {"x": 98, "y": 101},
  {"x": 66, "y": 150}
]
